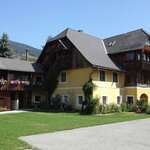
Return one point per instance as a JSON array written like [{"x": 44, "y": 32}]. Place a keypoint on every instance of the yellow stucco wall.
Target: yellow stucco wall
[
  {"x": 108, "y": 87},
  {"x": 78, "y": 77},
  {"x": 137, "y": 92},
  {"x": 141, "y": 91},
  {"x": 75, "y": 80},
  {"x": 42, "y": 94}
]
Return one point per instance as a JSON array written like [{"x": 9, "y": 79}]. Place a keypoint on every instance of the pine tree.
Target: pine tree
[{"x": 5, "y": 47}]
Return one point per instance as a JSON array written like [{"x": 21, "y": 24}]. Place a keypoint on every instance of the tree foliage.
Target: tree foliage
[
  {"x": 88, "y": 104},
  {"x": 5, "y": 47}
]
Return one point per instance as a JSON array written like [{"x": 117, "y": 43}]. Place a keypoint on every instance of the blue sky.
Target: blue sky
[{"x": 32, "y": 21}]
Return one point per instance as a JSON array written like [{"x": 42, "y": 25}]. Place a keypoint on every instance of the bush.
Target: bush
[
  {"x": 142, "y": 106},
  {"x": 56, "y": 102},
  {"x": 148, "y": 109},
  {"x": 124, "y": 107},
  {"x": 68, "y": 108},
  {"x": 110, "y": 108},
  {"x": 92, "y": 107},
  {"x": 118, "y": 109},
  {"x": 105, "y": 109}
]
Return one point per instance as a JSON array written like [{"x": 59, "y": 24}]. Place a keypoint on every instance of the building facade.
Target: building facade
[
  {"x": 119, "y": 67},
  {"x": 20, "y": 84}
]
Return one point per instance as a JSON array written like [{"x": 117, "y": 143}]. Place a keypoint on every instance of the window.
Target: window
[
  {"x": 144, "y": 57},
  {"x": 138, "y": 56},
  {"x": 65, "y": 99},
  {"x": 80, "y": 99},
  {"x": 119, "y": 100},
  {"x": 24, "y": 78},
  {"x": 115, "y": 77},
  {"x": 129, "y": 100},
  {"x": 10, "y": 77},
  {"x": 102, "y": 75},
  {"x": 104, "y": 100},
  {"x": 129, "y": 56},
  {"x": 37, "y": 99},
  {"x": 63, "y": 77}
]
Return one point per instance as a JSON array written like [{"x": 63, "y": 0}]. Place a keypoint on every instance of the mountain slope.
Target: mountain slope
[{"x": 20, "y": 49}]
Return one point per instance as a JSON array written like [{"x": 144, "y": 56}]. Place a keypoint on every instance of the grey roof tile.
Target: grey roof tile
[
  {"x": 19, "y": 65},
  {"x": 133, "y": 40},
  {"x": 92, "y": 48}
]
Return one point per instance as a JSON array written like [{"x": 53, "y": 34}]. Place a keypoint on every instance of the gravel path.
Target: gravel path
[{"x": 133, "y": 135}]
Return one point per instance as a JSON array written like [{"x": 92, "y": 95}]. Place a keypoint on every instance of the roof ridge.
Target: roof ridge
[
  {"x": 147, "y": 33},
  {"x": 84, "y": 33},
  {"x": 124, "y": 33}
]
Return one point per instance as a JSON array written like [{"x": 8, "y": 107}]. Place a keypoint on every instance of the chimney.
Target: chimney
[
  {"x": 26, "y": 57},
  {"x": 80, "y": 30}
]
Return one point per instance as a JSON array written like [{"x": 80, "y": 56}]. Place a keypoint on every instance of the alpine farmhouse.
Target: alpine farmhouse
[{"x": 119, "y": 66}]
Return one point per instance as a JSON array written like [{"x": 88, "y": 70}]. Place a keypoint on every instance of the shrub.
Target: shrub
[
  {"x": 127, "y": 107},
  {"x": 92, "y": 107},
  {"x": 57, "y": 102},
  {"x": 148, "y": 109},
  {"x": 105, "y": 109},
  {"x": 118, "y": 109},
  {"x": 68, "y": 108},
  {"x": 124, "y": 107},
  {"x": 142, "y": 106}
]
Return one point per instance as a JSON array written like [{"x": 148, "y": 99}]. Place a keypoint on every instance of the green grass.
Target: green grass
[{"x": 13, "y": 126}]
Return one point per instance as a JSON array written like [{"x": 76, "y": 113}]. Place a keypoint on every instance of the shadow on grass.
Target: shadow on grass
[{"x": 53, "y": 111}]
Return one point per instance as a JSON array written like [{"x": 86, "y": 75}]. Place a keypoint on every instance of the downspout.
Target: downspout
[{"x": 91, "y": 73}]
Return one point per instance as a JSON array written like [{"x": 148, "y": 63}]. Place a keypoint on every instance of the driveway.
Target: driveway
[{"x": 133, "y": 135}]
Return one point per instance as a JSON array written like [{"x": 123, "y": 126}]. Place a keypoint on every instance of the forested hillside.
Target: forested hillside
[{"x": 20, "y": 49}]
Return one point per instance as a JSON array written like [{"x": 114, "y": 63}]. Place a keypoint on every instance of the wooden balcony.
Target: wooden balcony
[
  {"x": 17, "y": 85},
  {"x": 14, "y": 85},
  {"x": 146, "y": 65},
  {"x": 129, "y": 65}
]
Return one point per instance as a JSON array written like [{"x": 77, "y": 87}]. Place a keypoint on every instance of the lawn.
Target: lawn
[{"x": 13, "y": 126}]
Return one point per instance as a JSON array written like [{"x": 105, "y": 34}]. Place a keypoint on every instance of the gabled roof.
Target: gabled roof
[
  {"x": 19, "y": 65},
  {"x": 133, "y": 40},
  {"x": 92, "y": 48}
]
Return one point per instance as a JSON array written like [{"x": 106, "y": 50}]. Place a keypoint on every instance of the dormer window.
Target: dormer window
[{"x": 111, "y": 43}]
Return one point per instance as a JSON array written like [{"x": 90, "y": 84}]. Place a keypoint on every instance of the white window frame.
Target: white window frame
[
  {"x": 61, "y": 78},
  {"x": 106, "y": 99},
  {"x": 62, "y": 100},
  {"x": 100, "y": 74},
  {"x": 77, "y": 100},
  {"x": 117, "y": 77},
  {"x": 120, "y": 99},
  {"x": 129, "y": 96}
]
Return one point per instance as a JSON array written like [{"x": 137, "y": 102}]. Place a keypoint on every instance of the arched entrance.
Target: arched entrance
[{"x": 144, "y": 97}]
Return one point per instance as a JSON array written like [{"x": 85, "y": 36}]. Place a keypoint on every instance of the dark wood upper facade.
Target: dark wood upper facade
[
  {"x": 19, "y": 81},
  {"x": 136, "y": 64},
  {"x": 65, "y": 50},
  {"x": 17, "y": 85}
]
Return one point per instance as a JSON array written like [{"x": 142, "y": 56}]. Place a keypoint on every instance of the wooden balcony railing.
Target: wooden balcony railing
[
  {"x": 16, "y": 85},
  {"x": 146, "y": 65}
]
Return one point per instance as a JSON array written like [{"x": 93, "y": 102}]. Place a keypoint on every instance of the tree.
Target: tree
[{"x": 5, "y": 47}]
